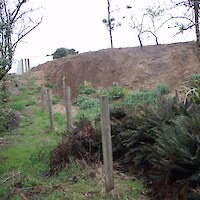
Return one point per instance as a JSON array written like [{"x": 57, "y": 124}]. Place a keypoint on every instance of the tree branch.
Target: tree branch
[{"x": 22, "y": 36}]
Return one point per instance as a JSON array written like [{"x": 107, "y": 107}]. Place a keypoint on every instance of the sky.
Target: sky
[{"x": 78, "y": 24}]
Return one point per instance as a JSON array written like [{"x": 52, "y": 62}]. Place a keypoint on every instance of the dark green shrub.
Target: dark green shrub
[
  {"x": 3, "y": 92},
  {"x": 63, "y": 52},
  {"x": 116, "y": 92},
  {"x": 176, "y": 158},
  {"x": 9, "y": 119},
  {"x": 55, "y": 99}
]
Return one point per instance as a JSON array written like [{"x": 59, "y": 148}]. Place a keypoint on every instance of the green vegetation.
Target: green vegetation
[
  {"x": 8, "y": 118},
  {"x": 158, "y": 136},
  {"x": 114, "y": 93},
  {"x": 145, "y": 96},
  {"x": 25, "y": 158},
  {"x": 194, "y": 79},
  {"x": 150, "y": 130},
  {"x": 63, "y": 52},
  {"x": 55, "y": 99},
  {"x": 86, "y": 88},
  {"x": 85, "y": 102}
]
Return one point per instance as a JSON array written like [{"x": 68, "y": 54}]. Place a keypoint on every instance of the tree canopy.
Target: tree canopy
[{"x": 63, "y": 52}]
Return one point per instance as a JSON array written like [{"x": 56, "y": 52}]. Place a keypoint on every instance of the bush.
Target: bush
[
  {"x": 86, "y": 88},
  {"x": 63, "y": 52},
  {"x": 114, "y": 93},
  {"x": 117, "y": 92},
  {"x": 162, "y": 89},
  {"x": 3, "y": 93},
  {"x": 8, "y": 119},
  {"x": 103, "y": 92},
  {"x": 55, "y": 99},
  {"x": 176, "y": 157}
]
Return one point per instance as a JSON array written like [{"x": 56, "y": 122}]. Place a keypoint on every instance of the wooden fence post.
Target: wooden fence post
[
  {"x": 67, "y": 97},
  {"x": 42, "y": 103},
  {"x": 107, "y": 144},
  {"x": 50, "y": 108}
]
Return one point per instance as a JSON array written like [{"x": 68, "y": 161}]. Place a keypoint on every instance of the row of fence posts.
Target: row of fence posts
[{"x": 105, "y": 128}]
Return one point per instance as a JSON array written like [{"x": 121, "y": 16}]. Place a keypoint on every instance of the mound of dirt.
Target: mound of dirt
[{"x": 133, "y": 67}]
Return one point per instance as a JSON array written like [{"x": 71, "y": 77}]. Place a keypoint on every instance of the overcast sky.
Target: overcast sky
[{"x": 78, "y": 24}]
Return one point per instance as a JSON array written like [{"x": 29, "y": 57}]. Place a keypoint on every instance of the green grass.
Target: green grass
[
  {"x": 90, "y": 113},
  {"x": 145, "y": 96}
]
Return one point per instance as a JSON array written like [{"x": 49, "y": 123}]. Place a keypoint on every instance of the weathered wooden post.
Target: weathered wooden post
[
  {"x": 50, "y": 109},
  {"x": 107, "y": 144},
  {"x": 42, "y": 103},
  {"x": 67, "y": 97}
]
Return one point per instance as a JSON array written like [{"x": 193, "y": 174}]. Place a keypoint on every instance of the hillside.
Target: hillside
[
  {"x": 134, "y": 67},
  {"x": 149, "y": 141}
]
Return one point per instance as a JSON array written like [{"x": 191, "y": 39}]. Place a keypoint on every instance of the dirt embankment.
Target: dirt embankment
[{"x": 134, "y": 67}]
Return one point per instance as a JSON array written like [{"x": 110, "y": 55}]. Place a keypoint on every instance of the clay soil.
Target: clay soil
[{"x": 134, "y": 67}]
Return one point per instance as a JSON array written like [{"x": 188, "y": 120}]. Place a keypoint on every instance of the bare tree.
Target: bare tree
[
  {"x": 143, "y": 26},
  {"x": 110, "y": 22},
  {"x": 139, "y": 26},
  {"x": 191, "y": 17},
  {"x": 15, "y": 24},
  {"x": 155, "y": 13}
]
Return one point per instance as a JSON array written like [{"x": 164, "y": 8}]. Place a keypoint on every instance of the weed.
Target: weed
[
  {"x": 162, "y": 89},
  {"x": 116, "y": 92},
  {"x": 194, "y": 79},
  {"x": 145, "y": 96},
  {"x": 17, "y": 106},
  {"x": 90, "y": 114},
  {"x": 103, "y": 92},
  {"x": 55, "y": 99},
  {"x": 60, "y": 118},
  {"x": 86, "y": 88},
  {"x": 85, "y": 102}
]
